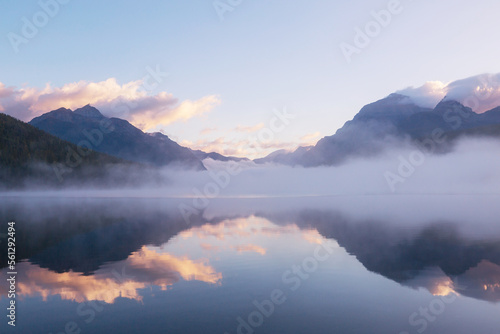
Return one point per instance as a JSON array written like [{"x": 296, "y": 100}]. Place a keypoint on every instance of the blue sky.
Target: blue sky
[{"x": 264, "y": 55}]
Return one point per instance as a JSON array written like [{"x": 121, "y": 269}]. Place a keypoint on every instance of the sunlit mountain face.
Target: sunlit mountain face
[{"x": 304, "y": 265}]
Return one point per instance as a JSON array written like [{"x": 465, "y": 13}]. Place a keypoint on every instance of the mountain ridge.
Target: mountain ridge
[
  {"x": 116, "y": 137},
  {"x": 389, "y": 120}
]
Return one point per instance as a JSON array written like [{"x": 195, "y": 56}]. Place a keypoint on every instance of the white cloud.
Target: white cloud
[
  {"x": 480, "y": 92},
  {"x": 427, "y": 95}
]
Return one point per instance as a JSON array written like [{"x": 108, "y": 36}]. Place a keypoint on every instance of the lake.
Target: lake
[{"x": 341, "y": 264}]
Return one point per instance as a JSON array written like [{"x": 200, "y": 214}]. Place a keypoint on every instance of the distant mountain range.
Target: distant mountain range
[
  {"x": 394, "y": 120},
  {"x": 117, "y": 137},
  {"x": 216, "y": 156},
  {"x": 388, "y": 122}
]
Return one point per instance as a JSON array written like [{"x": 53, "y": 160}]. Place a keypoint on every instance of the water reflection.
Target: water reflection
[
  {"x": 434, "y": 255},
  {"x": 89, "y": 246},
  {"x": 109, "y": 250},
  {"x": 141, "y": 269},
  {"x": 116, "y": 255}
]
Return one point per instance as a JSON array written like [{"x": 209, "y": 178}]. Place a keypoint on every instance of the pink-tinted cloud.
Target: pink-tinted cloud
[
  {"x": 209, "y": 247},
  {"x": 249, "y": 147},
  {"x": 249, "y": 129},
  {"x": 310, "y": 139},
  {"x": 207, "y": 131},
  {"x": 129, "y": 101},
  {"x": 141, "y": 269},
  {"x": 250, "y": 248}
]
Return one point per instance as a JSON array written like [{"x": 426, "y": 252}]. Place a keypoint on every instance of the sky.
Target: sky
[{"x": 217, "y": 75}]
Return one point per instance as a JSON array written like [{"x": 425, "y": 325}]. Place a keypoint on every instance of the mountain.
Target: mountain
[
  {"x": 392, "y": 121},
  {"x": 216, "y": 156},
  {"x": 88, "y": 127},
  {"x": 29, "y": 154},
  {"x": 284, "y": 157},
  {"x": 200, "y": 154}
]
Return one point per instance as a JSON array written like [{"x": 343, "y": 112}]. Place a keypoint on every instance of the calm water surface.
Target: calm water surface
[{"x": 392, "y": 265}]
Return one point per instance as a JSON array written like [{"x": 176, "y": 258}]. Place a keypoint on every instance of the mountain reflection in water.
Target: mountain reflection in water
[{"x": 82, "y": 250}]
